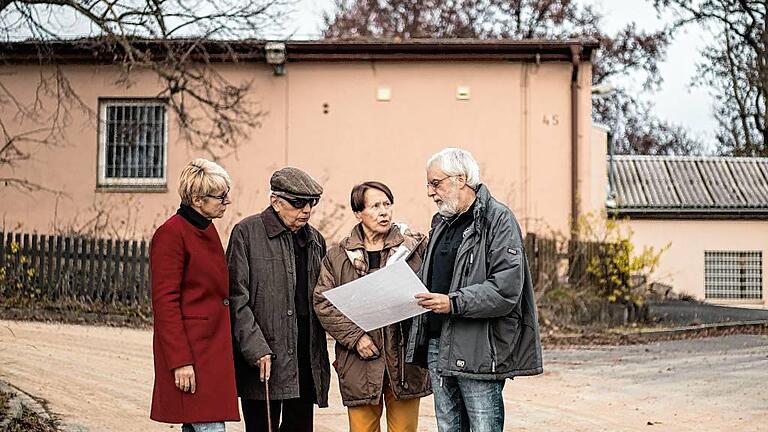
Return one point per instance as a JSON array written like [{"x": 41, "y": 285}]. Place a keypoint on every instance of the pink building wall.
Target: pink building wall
[
  {"x": 516, "y": 122},
  {"x": 682, "y": 265}
]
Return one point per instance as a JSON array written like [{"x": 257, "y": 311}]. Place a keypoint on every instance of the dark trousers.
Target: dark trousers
[
  {"x": 298, "y": 412},
  {"x": 298, "y": 415}
]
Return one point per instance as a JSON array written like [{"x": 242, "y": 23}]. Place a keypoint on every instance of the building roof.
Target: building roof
[
  {"x": 690, "y": 186},
  {"x": 92, "y": 50}
]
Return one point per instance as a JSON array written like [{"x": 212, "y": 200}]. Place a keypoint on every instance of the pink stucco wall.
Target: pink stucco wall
[
  {"x": 682, "y": 265},
  {"x": 516, "y": 122}
]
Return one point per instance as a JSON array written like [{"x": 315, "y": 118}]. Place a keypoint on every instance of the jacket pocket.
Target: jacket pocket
[
  {"x": 470, "y": 350},
  {"x": 353, "y": 378},
  {"x": 198, "y": 327},
  {"x": 492, "y": 345},
  {"x": 506, "y": 334}
]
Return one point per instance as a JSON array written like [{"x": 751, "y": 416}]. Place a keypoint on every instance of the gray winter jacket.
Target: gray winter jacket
[{"x": 492, "y": 332}]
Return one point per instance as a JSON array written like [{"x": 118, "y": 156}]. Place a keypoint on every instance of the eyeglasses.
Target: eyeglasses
[
  {"x": 299, "y": 203},
  {"x": 434, "y": 184},
  {"x": 224, "y": 197}
]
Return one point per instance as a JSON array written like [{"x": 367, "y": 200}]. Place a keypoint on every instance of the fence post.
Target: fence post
[
  {"x": 124, "y": 259},
  {"x": 79, "y": 267},
  {"x": 34, "y": 261},
  {"x": 132, "y": 272},
  {"x": 91, "y": 275},
  {"x": 2, "y": 249},
  {"x": 58, "y": 283},
  {"x": 24, "y": 249},
  {"x": 66, "y": 278},
  {"x": 143, "y": 272},
  {"x": 98, "y": 285},
  {"x": 49, "y": 256},
  {"x": 108, "y": 292}
]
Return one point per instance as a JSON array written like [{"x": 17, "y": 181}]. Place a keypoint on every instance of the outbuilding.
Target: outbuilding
[{"x": 711, "y": 211}]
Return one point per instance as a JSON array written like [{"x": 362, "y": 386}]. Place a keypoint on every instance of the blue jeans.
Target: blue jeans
[
  {"x": 203, "y": 427},
  {"x": 462, "y": 404}
]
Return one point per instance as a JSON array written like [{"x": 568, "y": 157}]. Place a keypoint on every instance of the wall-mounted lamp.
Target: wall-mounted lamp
[
  {"x": 383, "y": 94},
  {"x": 462, "y": 93},
  {"x": 275, "y": 54}
]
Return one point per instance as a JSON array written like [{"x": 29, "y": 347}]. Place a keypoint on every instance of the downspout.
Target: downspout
[
  {"x": 575, "y": 62},
  {"x": 611, "y": 184}
]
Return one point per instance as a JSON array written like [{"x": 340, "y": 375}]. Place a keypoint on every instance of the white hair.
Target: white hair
[{"x": 457, "y": 162}]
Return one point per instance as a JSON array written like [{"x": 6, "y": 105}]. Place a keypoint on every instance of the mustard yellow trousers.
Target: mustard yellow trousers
[{"x": 402, "y": 415}]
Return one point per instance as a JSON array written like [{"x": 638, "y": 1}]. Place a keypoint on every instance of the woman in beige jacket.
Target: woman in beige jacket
[{"x": 371, "y": 366}]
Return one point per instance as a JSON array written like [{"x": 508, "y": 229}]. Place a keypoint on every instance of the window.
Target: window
[
  {"x": 132, "y": 143},
  {"x": 733, "y": 274}
]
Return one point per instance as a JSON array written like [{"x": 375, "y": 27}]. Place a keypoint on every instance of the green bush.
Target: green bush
[{"x": 619, "y": 272}]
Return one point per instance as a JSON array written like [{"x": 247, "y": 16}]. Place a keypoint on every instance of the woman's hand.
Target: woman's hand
[
  {"x": 265, "y": 367},
  {"x": 185, "y": 378},
  {"x": 366, "y": 348}
]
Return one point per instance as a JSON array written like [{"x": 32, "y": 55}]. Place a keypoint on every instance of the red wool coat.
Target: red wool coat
[{"x": 190, "y": 285}]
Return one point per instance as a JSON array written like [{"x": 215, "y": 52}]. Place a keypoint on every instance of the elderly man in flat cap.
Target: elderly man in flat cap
[{"x": 274, "y": 261}]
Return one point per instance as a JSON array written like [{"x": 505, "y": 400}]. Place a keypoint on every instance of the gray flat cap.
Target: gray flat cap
[{"x": 295, "y": 182}]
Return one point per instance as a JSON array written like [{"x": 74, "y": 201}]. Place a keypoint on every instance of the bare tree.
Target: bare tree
[
  {"x": 640, "y": 131},
  {"x": 629, "y": 51},
  {"x": 177, "y": 40},
  {"x": 735, "y": 68}
]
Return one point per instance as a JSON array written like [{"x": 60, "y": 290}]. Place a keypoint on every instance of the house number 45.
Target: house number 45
[{"x": 551, "y": 120}]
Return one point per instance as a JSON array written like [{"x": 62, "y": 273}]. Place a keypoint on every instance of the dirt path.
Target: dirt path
[{"x": 101, "y": 378}]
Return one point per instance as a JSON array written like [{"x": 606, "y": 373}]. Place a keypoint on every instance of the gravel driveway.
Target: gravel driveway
[{"x": 100, "y": 378}]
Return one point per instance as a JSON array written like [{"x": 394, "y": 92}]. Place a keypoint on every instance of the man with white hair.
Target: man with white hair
[{"x": 482, "y": 326}]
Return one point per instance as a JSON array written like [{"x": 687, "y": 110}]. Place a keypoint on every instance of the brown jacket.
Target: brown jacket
[
  {"x": 361, "y": 381},
  {"x": 262, "y": 290}
]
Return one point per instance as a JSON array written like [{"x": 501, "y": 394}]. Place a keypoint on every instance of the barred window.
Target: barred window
[
  {"x": 733, "y": 274},
  {"x": 132, "y": 143}
]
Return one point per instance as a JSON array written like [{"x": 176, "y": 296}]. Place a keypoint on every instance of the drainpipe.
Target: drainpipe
[
  {"x": 611, "y": 185},
  {"x": 575, "y": 61}
]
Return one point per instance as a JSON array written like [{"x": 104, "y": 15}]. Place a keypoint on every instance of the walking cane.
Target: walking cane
[{"x": 269, "y": 413}]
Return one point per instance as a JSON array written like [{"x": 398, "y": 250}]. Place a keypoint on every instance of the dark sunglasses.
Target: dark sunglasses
[{"x": 300, "y": 203}]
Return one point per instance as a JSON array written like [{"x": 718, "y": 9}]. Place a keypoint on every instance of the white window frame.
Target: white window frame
[{"x": 105, "y": 182}]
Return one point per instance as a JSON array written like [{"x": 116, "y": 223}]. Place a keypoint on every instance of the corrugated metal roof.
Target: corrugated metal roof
[{"x": 690, "y": 183}]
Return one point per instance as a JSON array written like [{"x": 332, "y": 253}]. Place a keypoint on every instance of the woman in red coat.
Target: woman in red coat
[{"x": 192, "y": 346}]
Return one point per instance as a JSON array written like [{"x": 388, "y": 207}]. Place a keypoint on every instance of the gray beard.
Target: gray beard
[{"x": 448, "y": 209}]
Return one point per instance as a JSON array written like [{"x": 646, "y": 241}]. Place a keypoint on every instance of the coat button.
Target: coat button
[
  {"x": 290, "y": 312},
  {"x": 290, "y": 350},
  {"x": 226, "y": 302}
]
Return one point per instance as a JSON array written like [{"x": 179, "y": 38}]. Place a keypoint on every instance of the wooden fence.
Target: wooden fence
[
  {"x": 117, "y": 271},
  {"x": 73, "y": 267},
  {"x": 550, "y": 259}
]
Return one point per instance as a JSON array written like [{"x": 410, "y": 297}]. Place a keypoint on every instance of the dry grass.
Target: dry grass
[
  {"x": 4, "y": 399},
  {"x": 31, "y": 422},
  {"x": 28, "y": 421}
]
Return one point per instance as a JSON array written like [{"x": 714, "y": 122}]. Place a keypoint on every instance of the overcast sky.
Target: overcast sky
[{"x": 676, "y": 100}]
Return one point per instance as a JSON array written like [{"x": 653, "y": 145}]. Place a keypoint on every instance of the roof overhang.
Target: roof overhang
[
  {"x": 100, "y": 51},
  {"x": 680, "y": 213}
]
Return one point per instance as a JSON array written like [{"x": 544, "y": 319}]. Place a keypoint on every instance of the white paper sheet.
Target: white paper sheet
[{"x": 381, "y": 298}]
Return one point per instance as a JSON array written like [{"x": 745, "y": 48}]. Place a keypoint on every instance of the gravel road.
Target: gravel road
[{"x": 100, "y": 378}]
